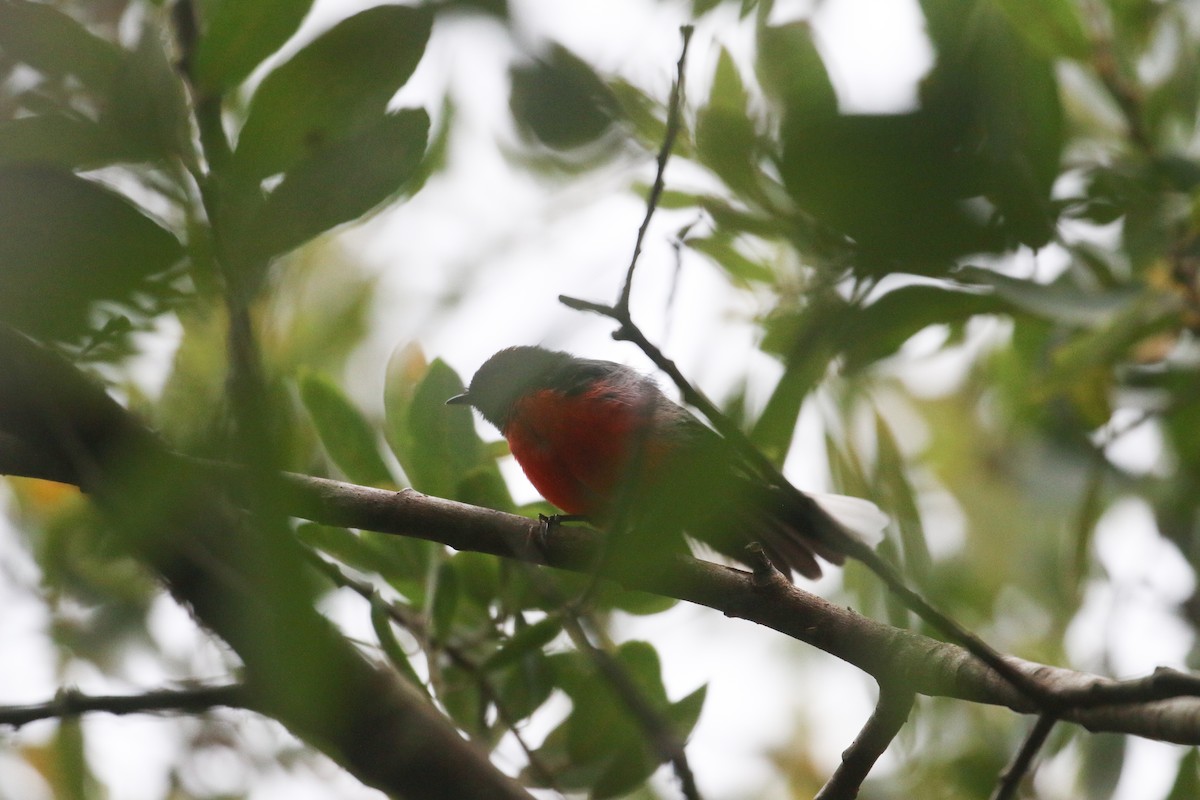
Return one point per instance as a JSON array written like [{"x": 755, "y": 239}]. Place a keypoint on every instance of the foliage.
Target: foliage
[{"x": 1035, "y": 215}]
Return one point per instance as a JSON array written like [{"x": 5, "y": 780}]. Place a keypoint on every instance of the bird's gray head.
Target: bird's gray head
[{"x": 508, "y": 375}]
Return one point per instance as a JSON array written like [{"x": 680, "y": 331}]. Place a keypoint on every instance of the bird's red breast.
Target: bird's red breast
[{"x": 576, "y": 448}]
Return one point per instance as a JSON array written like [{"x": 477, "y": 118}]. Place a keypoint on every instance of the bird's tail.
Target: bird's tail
[{"x": 806, "y": 526}]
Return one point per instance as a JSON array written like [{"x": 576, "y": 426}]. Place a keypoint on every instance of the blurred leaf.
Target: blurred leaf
[
  {"x": 436, "y": 444},
  {"x": 493, "y": 8},
  {"x": 527, "y": 685},
  {"x": 337, "y": 85},
  {"x": 1053, "y": 27},
  {"x": 891, "y": 182},
  {"x": 54, "y": 43},
  {"x": 880, "y": 329},
  {"x": 1060, "y": 301},
  {"x": 350, "y": 548},
  {"x": 444, "y": 602},
  {"x": 1104, "y": 756},
  {"x": 480, "y": 576},
  {"x": 524, "y": 641},
  {"x": 599, "y": 745},
  {"x": 60, "y": 139},
  {"x": 1187, "y": 780},
  {"x": 349, "y": 439},
  {"x": 238, "y": 36},
  {"x": 901, "y": 502},
  {"x": 631, "y": 601},
  {"x": 792, "y": 72},
  {"x": 71, "y": 777},
  {"x": 461, "y": 695},
  {"x": 401, "y": 560},
  {"x": 65, "y": 243},
  {"x": 559, "y": 100},
  {"x": 733, "y": 262},
  {"x": 805, "y": 340},
  {"x": 381, "y": 622},
  {"x": 341, "y": 182},
  {"x": 1004, "y": 95},
  {"x": 148, "y": 112},
  {"x": 726, "y": 139},
  {"x": 634, "y": 763}
]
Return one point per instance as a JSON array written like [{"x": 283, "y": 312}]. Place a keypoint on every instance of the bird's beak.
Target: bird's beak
[{"x": 463, "y": 399}]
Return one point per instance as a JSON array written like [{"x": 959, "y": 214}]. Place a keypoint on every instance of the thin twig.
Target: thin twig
[
  {"x": 71, "y": 703},
  {"x": 889, "y": 716},
  {"x": 674, "y": 112},
  {"x": 1015, "y": 772}
]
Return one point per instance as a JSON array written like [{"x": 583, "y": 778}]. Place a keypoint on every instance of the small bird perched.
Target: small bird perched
[{"x": 600, "y": 440}]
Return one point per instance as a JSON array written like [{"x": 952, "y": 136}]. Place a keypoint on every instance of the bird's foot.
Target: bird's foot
[{"x": 547, "y": 524}]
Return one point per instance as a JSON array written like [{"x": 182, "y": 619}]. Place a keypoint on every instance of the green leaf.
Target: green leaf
[
  {"x": 460, "y": 693},
  {"x": 792, "y": 71},
  {"x": 524, "y": 641},
  {"x": 526, "y": 686},
  {"x": 349, "y": 439},
  {"x": 1187, "y": 780},
  {"x": 901, "y": 501},
  {"x": 726, "y": 139},
  {"x": 1054, "y": 27},
  {"x": 480, "y": 576},
  {"x": 60, "y": 139},
  {"x": 350, "y": 548},
  {"x": 336, "y": 85},
  {"x": 435, "y": 443},
  {"x": 147, "y": 111},
  {"x": 1061, "y": 301},
  {"x": 560, "y": 101},
  {"x": 805, "y": 341},
  {"x": 444, "y": 603},
  {"x": 55, "y": 44},
  {"x": 65, "y": 243},
  {"x": 601, "y": 737},
  {"x": 739, "y": 267},
  {"x": 381, "y": 622},
  {"x": 1004, "y": 94},
  {"x": 631, "y": 601},
  {"x": 238, "y": 36},
  {"x": 341, "y": 182},
  {"x": 880, "y": 329},
  {"x": 401, "y": 560}
]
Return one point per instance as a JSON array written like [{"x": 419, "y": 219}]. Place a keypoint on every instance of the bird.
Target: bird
[{"x": 601, "y": 440}]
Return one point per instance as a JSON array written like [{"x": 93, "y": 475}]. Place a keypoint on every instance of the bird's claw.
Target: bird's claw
[{"x": 546, "y": 526}]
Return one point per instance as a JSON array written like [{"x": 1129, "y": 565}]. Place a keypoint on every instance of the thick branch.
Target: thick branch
[
  {"x": 1161, "y": 706},
  {"x": 245, "y": 585}
]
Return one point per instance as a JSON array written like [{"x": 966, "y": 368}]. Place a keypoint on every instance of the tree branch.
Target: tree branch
[
  {"x": 1010, "y": 780},
  {"x": 71, "y": 703},
  {"x": 1163, "y": 706},
  {"x": 889, "y": 716},
  {"x": 674, "y": 109},
  {"x": 245, "y": 585}
]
